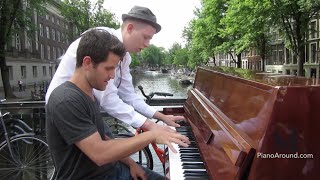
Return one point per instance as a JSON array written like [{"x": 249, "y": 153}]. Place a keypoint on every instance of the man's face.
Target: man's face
[
  {"x": 139, "y": 38},
  {"x": 100, "y": 74}
]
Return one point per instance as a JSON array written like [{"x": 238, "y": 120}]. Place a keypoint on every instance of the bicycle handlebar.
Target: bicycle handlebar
[
  {"x": 149, "y": 97},
  {"x": 162, "y": 94}
]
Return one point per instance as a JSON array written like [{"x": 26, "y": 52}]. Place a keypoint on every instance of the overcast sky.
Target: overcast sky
[{"x": 172, "y": 15}]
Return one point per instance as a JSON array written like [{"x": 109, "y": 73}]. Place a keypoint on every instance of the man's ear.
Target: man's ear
[
  {"x": 130, "y": 27},
  {"x": 87, "y": 62}
]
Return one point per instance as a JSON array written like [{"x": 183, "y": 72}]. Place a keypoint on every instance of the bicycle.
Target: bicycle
[
  {"x": 23, "y": 155},
  {"x": 144, "y": 157}
]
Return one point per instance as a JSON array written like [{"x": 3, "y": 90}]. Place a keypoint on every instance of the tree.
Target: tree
[
  {"x": 15, "y": 18},
  {"x": 247, "y": 22},
  {"x": 293, "y": 18},
  {"x": 153, "y": 56},
  {"x": 203, "y": 32},
  {"x": 84, "y": 15},
  {"x": 181, "y": 57},
  {"x": 135, "y": 59}
]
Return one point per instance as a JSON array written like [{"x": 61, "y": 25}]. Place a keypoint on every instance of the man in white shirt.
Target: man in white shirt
[{"x": 119, "y": 99}]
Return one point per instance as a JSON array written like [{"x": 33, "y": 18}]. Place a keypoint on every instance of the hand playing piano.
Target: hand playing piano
[
  {"x": 171, "y": 120},
  {"x": 165, "y": 137}
]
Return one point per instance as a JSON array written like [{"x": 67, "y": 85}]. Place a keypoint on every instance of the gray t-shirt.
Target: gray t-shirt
[{"x": 71, "y": 117}]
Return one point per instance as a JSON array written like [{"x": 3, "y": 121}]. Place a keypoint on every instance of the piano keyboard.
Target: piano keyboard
[{"x": 186, "y": 164}]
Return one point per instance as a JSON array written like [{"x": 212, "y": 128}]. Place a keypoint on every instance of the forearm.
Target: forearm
[
  {"x": 115, "y": 149},
  {"x": 148, "y": 125},
  {"x": 115, "y": 107},
  {"x": 158, "y": 115}
]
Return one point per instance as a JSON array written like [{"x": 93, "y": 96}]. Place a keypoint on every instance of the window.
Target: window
[
  {"x": 288, "y": 56},
  {"x": 23, "y": 72},
  {"x": 29, "y": 44},
  {"x": 48, "y": 32},
  {"x": 50, "y": 70},
  {"x": 313, "y": 29},
  {"x": 63, "y": 38},
  {"x": 54, "y": 53},
  {"x": 288, "y": 71},
  {"x": 44, "y": 70},
  {"x": 52, "y": 19},
  {"x": 10, "y": 72},
  {"x": 47, "y": 16},
  {"x": 280, "y": 57},
  {"x": 53, "y": 34},
  {"x": 59, "y": 52},
  {"x": 34, "y": 71},
  {"x": 58, "y": 36},
  {"x": 313, "y": 53},
  {"x": 48, "y": 52},
  {"x": 58, "y": 21},
  {"x": 42, "y": 51},
  {"x": 274, "y": 55},
  {"x": 41, "y": 29},
  {"x": 313, "y": 72},
  {"x": 18, "y": 44}
]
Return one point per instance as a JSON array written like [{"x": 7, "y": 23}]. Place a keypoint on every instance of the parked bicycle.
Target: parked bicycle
[
  {"x": 143, "y": 157},
  {"x": 23, "y": 155}
]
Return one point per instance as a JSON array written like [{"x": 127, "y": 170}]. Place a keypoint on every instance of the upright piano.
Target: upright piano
[{"x": 248, "y": 125}]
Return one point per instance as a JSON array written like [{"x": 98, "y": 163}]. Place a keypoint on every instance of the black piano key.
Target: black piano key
[
  {"x": 188, "y": 151},
  {"x": 196, "y": 166},
  {"x": 188, "y": 159},
  {"x": 194, "y": 174},
  {"x": 204, "y": 177}
]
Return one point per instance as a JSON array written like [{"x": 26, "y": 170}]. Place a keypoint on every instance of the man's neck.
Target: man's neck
[{"x": 80, "y": 80}]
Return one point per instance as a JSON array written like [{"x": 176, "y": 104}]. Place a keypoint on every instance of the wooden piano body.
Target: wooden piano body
[{"x": 253, "y": 126}]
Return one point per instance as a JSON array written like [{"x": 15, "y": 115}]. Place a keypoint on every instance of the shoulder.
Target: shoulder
[{"x": 66, "y": 92}]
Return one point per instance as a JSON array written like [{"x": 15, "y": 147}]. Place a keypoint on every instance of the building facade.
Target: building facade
[
  {"x": 34, "y": 58},
  {"x": 279, "y": 59}
]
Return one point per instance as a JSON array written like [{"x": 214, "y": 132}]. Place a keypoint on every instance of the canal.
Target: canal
[{"x": 152, "y": 81}]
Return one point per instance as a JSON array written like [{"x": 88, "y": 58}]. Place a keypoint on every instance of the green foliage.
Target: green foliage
[
  {"x": 135, "y": 60},
  {"x": 84, "y": 15},
  {"x": 177, "y": 56},
  {"x": 203, "y": 32},
  {"x": 16, "y": 15},
  {"x": 153, "y": 56},
  {"x": 239, "y": 25}
]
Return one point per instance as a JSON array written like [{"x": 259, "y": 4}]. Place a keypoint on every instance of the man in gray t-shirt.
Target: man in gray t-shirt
[
  {"x": 71, "y": 116},
  {"x": 75, "y": 130}
]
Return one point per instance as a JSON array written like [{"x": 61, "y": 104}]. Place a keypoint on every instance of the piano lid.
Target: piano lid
[
  {"x": 235, "y": 113},
  {"x": 272, "y": 79}
]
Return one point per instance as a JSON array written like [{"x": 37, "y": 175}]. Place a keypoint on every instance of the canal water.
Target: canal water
[
  {"x": 152, "y": 81},
  {"x": 157, "y": 82}
]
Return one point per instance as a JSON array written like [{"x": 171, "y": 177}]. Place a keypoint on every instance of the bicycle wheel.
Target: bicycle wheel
[
  {"x": 32, "y": 159},
  {"x": 143, "y": 157}
]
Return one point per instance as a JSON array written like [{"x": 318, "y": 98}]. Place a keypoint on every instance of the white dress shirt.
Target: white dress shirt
[{"x": 122, "y": 103}]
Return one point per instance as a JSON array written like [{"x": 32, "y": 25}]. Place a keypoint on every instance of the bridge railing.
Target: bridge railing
[{"x": 33, "y": 112}]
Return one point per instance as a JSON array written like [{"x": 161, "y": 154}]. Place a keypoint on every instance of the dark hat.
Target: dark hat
[{"x": 144, "y": 14}]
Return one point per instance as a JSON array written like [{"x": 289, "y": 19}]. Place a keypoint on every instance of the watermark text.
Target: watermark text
[{"x": 284, "y": 155}]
